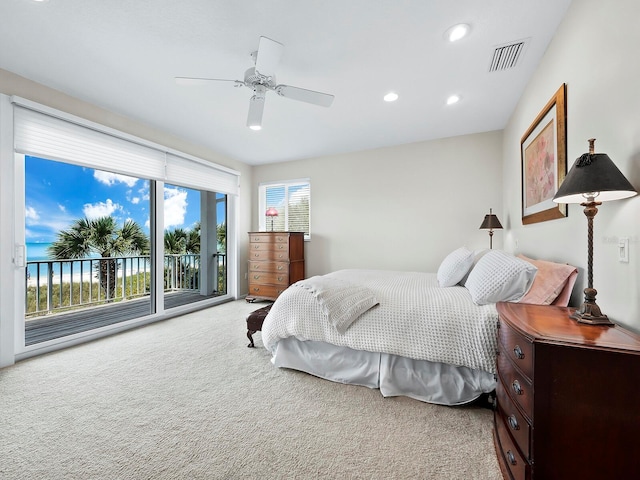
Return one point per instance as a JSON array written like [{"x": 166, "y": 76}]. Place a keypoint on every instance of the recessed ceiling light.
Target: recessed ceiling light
[
  {"x": 453, "y": 99},
  {"x": 391, "y": 97},
  {"x": 457, "y": 32}
]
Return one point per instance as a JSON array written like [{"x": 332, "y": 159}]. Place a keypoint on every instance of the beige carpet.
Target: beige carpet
[{"x": 186, "y": 399}]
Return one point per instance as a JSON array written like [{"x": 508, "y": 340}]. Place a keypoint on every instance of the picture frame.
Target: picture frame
[{"x": 543, "y": 152}]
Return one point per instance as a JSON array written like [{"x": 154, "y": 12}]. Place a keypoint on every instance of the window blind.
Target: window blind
[
  {"x": 292, "y": 200},
  {"x": 190, "y": 173},
  {"x": 47, "y": 133}
]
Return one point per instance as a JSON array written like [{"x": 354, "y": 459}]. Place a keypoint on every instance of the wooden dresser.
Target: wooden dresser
[
  {"x": 276, "y": 260},
  {"x": 568, "y": 397}
]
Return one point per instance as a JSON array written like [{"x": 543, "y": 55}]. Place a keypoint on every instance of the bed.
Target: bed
[{"x": 428, "y": 336}]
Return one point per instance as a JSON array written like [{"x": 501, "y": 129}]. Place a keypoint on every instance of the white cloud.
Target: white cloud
[
  {"x": 100, "y": 209},
  {"x": 31, "y": 214},
  {"x": 175, "y": 207},
  {"x": 135, "y": 200},
  {"x": 109, "y": 178},
  {"x": 62, "y": 208}
]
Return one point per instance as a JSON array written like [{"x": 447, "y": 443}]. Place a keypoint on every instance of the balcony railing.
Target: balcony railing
[{"x": 58, "y": 285}]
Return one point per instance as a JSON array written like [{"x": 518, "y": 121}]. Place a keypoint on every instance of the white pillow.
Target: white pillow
[
  {"x": 454, "y": 267},
  {"x": 500, "y": 277},
  {"x": 477, "y": 255}
]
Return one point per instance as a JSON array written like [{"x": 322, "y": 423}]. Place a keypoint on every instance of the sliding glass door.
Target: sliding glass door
[
  {"x": 99, "y": 228},
  {"x": 194, "y": 245},
  {"x": 88, "y": 238}
]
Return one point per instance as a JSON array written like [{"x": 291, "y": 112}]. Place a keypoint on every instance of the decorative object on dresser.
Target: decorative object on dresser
[
  {"x": 276, "y": 260},
  {"x": 490, "y": 223},
  {"x": 567, "y": 403},
  {"x": 593, "y": 175},
  {"x": 270, "y": 213}
]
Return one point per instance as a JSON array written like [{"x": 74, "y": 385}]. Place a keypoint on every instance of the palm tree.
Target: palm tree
[
  {"x": 103, "y": 237},
  {"x": 182, "y": 242}
]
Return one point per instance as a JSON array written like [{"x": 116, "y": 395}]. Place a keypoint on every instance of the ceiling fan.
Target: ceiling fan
[{"x": 262, "y": 78}]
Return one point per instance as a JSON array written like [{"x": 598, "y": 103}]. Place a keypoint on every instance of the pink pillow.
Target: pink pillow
[{"x": 550, "y": 281}]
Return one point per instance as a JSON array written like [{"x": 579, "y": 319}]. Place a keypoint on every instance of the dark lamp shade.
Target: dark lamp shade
[
  {"x": 594, "y": 175},
  {"x": 490, "y": 222}
]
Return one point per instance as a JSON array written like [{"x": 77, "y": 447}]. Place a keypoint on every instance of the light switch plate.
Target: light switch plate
[{"x": 623, "y": 250}]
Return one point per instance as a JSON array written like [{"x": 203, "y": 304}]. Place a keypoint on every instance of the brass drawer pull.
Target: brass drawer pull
[
  {"x": 280, "y": 267},
  {"x": 517, "y": 351},
  {"x": 281, "y": 247},
  {"x": 280, "y": 279},
  {"x": 256, "y": 277},
  {"x": 516, "y": 387},
  {"x": 511, "y": 457},
  {"x": 513, "y": 422},
  {"x": 256, "y": 246}
]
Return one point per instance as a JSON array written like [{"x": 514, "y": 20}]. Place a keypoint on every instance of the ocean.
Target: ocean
[{"x": 37, "y": 251}]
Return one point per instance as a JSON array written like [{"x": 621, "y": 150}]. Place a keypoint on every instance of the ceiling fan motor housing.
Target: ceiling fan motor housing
[{"x": 253, "y": 78}]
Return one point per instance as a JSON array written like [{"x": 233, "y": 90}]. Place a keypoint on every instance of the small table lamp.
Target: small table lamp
[
  {"x": 490, "y": 222},
  {"x": 593, "y": 175},
  {"x": 271, "y": 212}
]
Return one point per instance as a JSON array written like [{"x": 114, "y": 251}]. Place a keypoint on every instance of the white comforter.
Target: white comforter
[{"x": 415, "y": 318}]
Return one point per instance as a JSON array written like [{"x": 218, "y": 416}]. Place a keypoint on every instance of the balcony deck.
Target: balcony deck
[{"x": 41, "y": 329}]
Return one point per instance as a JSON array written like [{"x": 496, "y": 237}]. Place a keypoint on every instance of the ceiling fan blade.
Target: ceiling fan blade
[
  {"x": 303, "y": 95},
  {"x": 268, "y": 56},
  {"x": 256, "y": 107},
  {"x": 203, "y": 81}
]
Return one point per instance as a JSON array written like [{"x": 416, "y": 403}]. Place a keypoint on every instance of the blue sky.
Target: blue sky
[{"x": 58, "y": 193}]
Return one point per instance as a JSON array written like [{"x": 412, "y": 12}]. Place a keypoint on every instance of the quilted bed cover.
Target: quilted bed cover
[{"x": 415, "y": 318}]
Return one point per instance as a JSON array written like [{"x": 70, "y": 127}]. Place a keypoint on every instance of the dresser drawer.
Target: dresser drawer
[
  {"x": 268, "y": 238},
  {"x": 518, "y": 467},
  {"x": 280, "y": 247},
  {"x": 514, "y": 420},
  {"x": 276, "y": 267},
  {"x": 265, "y": 255},
  {"x": 518, "y": 348},
  {"x": 269, "y": 278},
  {"x": 519, "y": 387},
  {"x": 267, "y": 291}
]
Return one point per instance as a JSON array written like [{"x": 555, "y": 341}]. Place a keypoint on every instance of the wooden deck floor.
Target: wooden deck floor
[{"x": 59, "y": 325}]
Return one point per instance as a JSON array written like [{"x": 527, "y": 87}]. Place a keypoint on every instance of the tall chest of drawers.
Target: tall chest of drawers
[
  {"x": 568, "y": 396},
  {"x": 276, "y": 260}
]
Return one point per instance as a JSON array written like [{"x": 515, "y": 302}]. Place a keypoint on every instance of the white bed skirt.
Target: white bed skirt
[{"x": 422, "y": 380}]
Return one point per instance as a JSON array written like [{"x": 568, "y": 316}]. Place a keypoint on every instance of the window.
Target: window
[
  {"x": 292, "y": 200},
  {"x": 103, "y": 173}
]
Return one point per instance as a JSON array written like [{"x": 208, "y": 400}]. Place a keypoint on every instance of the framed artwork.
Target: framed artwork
[{"x": 543, "y": 150}]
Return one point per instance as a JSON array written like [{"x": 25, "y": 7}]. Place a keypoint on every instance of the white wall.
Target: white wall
[
  {"x": 595, "y": 52},
  {"x": 397, "y": 208}
]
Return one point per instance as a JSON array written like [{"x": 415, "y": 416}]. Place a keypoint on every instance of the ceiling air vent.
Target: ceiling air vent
[{"x": 507, "y": 56}]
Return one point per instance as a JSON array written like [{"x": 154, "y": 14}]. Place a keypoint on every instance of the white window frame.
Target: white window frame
[
  {"x": 22, "y": 121},
  {"x": 262, "y": 202}
]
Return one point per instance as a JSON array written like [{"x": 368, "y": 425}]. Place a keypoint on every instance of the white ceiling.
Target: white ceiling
[{"x": 123, "y": 56}]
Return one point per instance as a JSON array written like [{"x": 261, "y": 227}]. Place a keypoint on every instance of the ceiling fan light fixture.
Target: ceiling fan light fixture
[
  {"x": 391, "y": 97},
  {"x": 255, "y": 128},
  {"x": 457, "y": 32}
]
